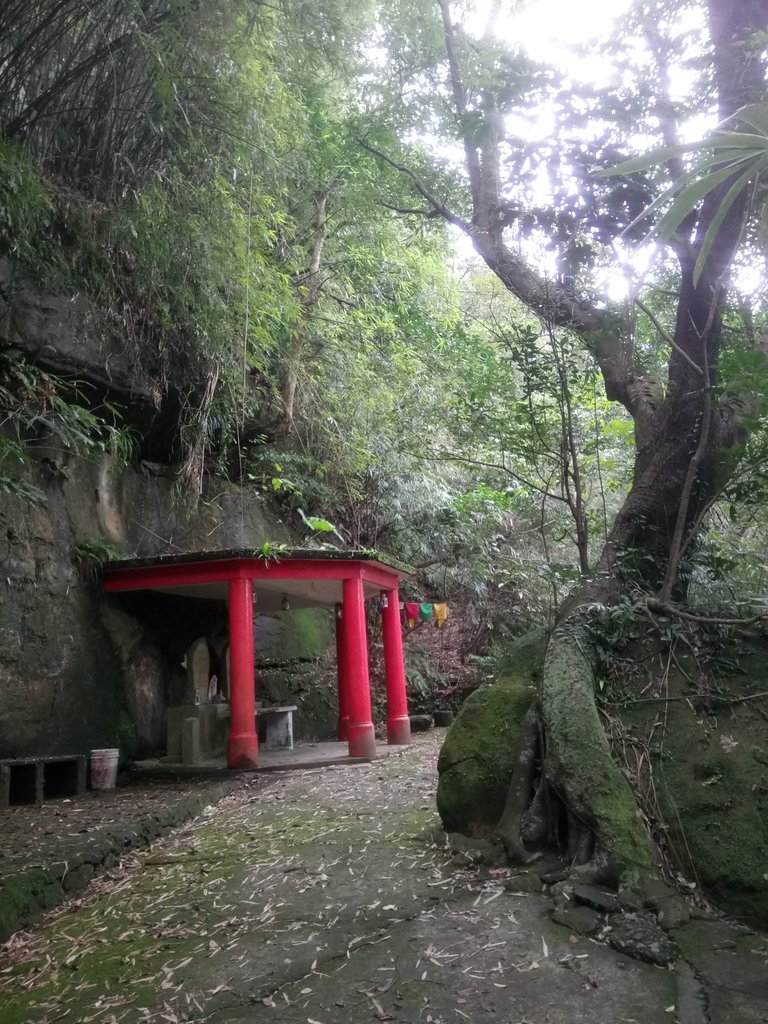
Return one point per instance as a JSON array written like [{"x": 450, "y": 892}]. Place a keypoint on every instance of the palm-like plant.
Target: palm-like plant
[{"x": 736, "y": 158}]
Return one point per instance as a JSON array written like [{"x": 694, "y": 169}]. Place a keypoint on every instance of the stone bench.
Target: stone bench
[
  {"x": 279, "y": 726},
  {"x": 31, "y": 780}
]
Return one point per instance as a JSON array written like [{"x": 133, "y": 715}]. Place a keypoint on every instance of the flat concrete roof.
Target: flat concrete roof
[{"x": 306, "y": 577}]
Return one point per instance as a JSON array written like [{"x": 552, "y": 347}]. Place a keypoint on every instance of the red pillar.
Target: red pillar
[
  {"x": 342, "y": 672},
  {"x": 243, "y": 747},
  {"x": 398, "y": 722},
  {"x": 360, "y": 735}
]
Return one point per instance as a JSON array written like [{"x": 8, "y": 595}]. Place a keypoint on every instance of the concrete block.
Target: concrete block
[
  {"x": 214, "y": 729},
  {"x": 279, "y": 730},
  {"x": 190, "y": 741}
]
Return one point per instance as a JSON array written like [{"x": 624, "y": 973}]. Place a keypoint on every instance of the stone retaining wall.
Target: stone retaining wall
[{"x": 27, "y": 893}]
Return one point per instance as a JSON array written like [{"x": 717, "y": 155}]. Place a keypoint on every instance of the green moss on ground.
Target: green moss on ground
[
  {"x": 68, "y": 866},
  {"x": 196, "y": 896},
  {"x": 24, "y": 896},
  {"x": 480, "y": 748}
]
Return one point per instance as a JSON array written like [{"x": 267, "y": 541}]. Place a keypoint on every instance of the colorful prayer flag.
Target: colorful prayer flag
[{"x": 411, "y": 614}]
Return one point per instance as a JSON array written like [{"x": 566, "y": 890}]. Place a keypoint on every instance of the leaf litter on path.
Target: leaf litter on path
[{"x": 321, "y": 897}]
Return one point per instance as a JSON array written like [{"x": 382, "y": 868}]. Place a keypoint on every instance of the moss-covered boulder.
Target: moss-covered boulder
[
  {"x": 710, "y": 771},
  {"x": 480, "y": 748}
]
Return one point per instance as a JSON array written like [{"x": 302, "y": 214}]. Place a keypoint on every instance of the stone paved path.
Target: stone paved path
[{"x": 330, "y": 896}]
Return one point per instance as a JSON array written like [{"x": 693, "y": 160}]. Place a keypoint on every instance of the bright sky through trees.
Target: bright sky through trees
[
  {"x": 549, "y": 29},
  {"x": 555, "y": 32}
]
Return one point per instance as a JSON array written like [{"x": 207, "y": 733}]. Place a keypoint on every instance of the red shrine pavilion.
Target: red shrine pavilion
[{"x": 299, "y": 578}]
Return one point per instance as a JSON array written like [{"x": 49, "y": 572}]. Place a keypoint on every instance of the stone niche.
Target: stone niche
[{"x": 198, "y": 728}]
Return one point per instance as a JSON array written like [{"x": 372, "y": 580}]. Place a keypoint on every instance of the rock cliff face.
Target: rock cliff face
[
  {"x": 79, "y": 669},
  {"x": 62, "y": 334}
]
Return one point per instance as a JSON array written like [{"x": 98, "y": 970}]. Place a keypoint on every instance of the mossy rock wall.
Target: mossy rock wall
[
  {"x": 61, "y": 684},
  {"x": 710, "y": 768},
  {"x": 80, "y": 669},
  {"x": 292, "y": 667},
  {"x": 478, "y": 756}
]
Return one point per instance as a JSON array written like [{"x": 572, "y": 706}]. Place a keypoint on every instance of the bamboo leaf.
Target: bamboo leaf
[
  {"x": 724, "y": 155},
  {"x": 738, "y": 140},
  {"x": 660, "y": 201},
  {"x": 754, "y": 114}
]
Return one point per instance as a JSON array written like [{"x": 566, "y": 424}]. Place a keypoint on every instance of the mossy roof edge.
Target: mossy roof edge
[{"x": 274, "y": 553}]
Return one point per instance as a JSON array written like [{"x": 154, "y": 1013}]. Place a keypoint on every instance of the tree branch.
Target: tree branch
[
  {"x": 467, "y": 461},
  {"x": 408, "y": 210},
  {"x": 440, "y": 209},
  {"x": 668, "y": 337},
  {"x": 665, "y": 608},
  {"x": 602, "y": 332}
]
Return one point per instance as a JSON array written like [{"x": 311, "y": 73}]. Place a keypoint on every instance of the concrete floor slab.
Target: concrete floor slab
[{"x": 302, "y": 756}]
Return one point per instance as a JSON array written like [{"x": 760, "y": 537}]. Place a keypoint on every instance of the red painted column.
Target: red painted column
[
  {"x": 398, "y": 722},
  {"x": 360, "y": 735},
  {"x": 243, "y": 746}
]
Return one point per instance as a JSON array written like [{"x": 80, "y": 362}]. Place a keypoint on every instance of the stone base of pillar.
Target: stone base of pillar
[
  {"x": 243, "y": 752},
  {"x": 399, "y": 731},
  {"x": 361, "y": 739}
]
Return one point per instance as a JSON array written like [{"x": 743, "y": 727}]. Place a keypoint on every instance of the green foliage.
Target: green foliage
[
  {"x": 736, "y": 160},
  {"x": 433, "y": 416},
  {"x": 42, "y": 413},
  {"x": 183, "y": 232},
  {"x": 25, "y": 208},
  {"x": 91, "y": 555},
  {"x": 317, "y": 525},
  {"x": 428, "y": 688},
  {"x": 18, "y": 488},
  {"x": 608, "y": 631},
  {"x": 96, "y": 551}
]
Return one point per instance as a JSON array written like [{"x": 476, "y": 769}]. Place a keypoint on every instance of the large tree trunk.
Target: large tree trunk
[{"x": 682, "y": 433}]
